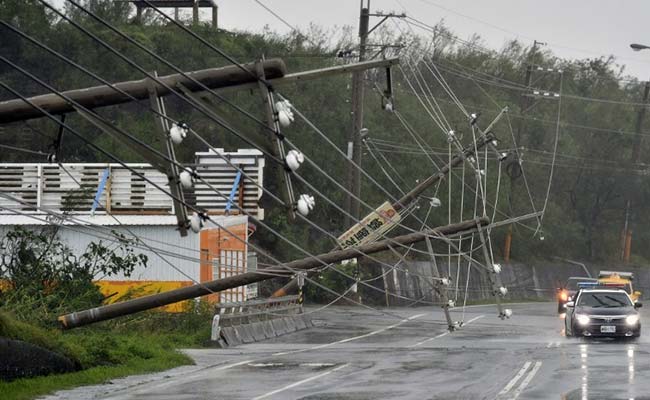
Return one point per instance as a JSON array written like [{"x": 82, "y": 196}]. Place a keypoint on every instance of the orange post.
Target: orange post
[
  {"x": 507, "y": 245},
  {"x": 628, "y": 246}
]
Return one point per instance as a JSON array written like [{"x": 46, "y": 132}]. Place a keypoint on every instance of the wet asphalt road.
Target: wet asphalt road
[{"x": 355, "y": 354}]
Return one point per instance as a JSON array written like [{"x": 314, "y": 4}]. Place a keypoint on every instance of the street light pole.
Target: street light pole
[{"x": 626, "y": 235}]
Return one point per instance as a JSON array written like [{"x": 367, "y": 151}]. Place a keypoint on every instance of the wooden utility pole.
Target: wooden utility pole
[
  {"x": 411, "y": 196},
  {"x": 101, "y": 96},
  {"x": 103, "y": 313},
  {"x": 626, "y": 235},
  {"x": 525, "y": 103},
  {"x": 225, "y": 79},
  {"x": 354, "y": 137},
  {"x": 356, "y": 134}
]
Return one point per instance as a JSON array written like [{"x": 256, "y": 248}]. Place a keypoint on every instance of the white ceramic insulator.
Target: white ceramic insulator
[
  {"x": 294, "y": 159},
  {"x": 196, "y": 223},
  {"x": 305, "y": 204},
  {"x": 186, "y": 178},
  {"x": 177, "y": 134}
]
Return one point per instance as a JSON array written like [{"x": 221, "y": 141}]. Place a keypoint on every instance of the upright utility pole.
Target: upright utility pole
[
  {"x": 626, "y": 236},
  {"x": 524, "y": 104},
  {"x": 354, "y": 137},
  {"x": 356, "y": 134}
]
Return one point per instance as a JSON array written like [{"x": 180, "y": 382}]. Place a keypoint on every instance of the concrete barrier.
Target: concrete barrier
[
  {"x": 257, "y": 330},
  {"x": 279, "y": 326},
  {"x": 252, "y": 321}
]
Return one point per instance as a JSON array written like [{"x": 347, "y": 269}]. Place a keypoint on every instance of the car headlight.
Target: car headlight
[
  {"x": 582, "y": 319},
  {"x": 632, "y": 319}
]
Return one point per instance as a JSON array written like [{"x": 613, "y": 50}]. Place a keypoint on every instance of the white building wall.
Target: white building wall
[{"x": 183, "y": 252}]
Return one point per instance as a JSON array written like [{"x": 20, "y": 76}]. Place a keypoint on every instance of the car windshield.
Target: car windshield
[{"x": 604, "y": 300}]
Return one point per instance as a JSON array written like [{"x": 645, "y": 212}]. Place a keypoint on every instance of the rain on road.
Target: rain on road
[{"x": 355, "y": 354}]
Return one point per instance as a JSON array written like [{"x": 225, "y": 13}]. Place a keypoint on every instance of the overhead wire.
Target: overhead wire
[
  {"x": 261, "y": 251},
  {"x": 169, "y": 160}
]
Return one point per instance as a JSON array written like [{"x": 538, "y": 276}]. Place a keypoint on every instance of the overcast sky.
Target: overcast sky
[{"x": 572, "y": 28}]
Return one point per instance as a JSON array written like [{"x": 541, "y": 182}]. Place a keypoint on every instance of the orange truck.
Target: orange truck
[{"x": 620, "y": 279}]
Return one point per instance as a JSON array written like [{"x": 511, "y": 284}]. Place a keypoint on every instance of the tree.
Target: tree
[{"x": 44, "y": 278}]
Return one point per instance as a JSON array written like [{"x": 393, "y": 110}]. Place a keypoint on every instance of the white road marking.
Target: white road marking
[
  {"x": 293, "y": 385},
  {"x": 322, "y": 346},
  {"x": 428, "y": 340},
  {"x": 317, "y": 365},
  {"x": 474, "y": 319},
  {"x": 552, "y": 344},
  {"x": 266, "y": 365},
  {"x": 514, "y": 380},
  {"x": 526, "y": 381},
  {"x": 271, "y": 365},
  {"x": 443, "y": 334}
]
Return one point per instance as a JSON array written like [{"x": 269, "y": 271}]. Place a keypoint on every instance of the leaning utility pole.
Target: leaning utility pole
[
  {"x": 102, "y": 96},
  {"x": 626, "y": 235},
  {"x": 186, "y": 84},
  {"x": 103, "y": 313},
  {"x": 412, "y": 195}
]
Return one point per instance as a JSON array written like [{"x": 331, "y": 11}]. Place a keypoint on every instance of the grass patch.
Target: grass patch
[
  {"x": 23, "y": 389},
  {"x": 109, "y": 350}
]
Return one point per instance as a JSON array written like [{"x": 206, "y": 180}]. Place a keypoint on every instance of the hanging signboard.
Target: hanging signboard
[{"x": 371, "y": 227}]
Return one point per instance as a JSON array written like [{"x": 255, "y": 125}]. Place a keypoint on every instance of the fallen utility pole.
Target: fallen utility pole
[
  {"x": 411, "y": 196},
  {"x": 102, "y": 96},
  {"x": 103, "y": 313}
]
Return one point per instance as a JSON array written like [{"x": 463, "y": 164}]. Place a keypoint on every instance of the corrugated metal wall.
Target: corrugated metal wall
[{"x": 164, "y": 239}]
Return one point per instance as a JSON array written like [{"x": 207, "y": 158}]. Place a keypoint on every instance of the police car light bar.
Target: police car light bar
[{"x": 584, "y": 285}]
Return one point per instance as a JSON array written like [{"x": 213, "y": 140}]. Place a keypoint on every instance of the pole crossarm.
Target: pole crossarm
[{"x": 110, "y": 311}]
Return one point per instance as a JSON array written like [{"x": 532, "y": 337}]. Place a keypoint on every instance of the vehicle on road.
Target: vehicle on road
[
  {"x": 620, "y": 279},
  {"x": 602, "y": 312},
  {"x": 568, "y": 291}
]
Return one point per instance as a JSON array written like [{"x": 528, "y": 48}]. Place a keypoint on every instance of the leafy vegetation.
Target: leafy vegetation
[{"x": 44, "y": 278}]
